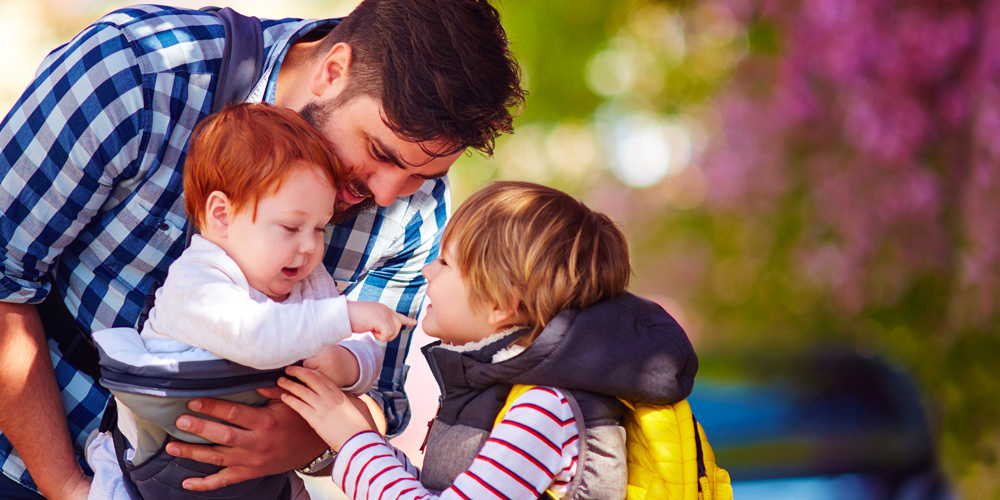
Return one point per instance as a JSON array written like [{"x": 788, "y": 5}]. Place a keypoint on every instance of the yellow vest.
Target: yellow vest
[{"x": 669, "y": 457}]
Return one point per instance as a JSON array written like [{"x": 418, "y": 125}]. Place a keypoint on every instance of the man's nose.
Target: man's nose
[{"x": 386, "y": 188}]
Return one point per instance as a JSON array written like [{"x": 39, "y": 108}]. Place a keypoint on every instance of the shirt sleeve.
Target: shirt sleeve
[
  {"x": 72, "y": 135},
  {"x": 201, "y": 305},
  {"x": 396, "y": 281},
  {"x": 369, "y": 355},
  {"x": 533, "y": 447}
]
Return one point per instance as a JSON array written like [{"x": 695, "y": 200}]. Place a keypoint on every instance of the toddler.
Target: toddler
[
  {"x": 248, "y": 295},
  {"x": 529, "y": 289}
]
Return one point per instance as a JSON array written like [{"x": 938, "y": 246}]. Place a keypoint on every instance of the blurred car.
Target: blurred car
[{"x": 833, "y": 425}]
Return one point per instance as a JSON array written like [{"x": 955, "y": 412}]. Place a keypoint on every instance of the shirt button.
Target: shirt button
[{"x": 164, "y": 227}]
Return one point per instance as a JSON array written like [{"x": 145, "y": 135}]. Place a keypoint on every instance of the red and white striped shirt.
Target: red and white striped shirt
[{"x": 533, "y": 449}]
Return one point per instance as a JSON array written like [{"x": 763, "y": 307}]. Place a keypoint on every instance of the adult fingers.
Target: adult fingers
[
  {"x": 198, "y": 452},
  {"x": 223, "y": 478},
  {"x": 234, "y": 413},
  {"x": 220, "y": 433},
  {"x": 271, "y": 392}
]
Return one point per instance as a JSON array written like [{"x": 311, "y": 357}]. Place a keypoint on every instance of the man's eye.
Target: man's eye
[{"x": 378, "y": 155}]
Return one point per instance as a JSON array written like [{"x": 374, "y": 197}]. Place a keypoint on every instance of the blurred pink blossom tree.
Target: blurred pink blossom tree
[{"x": 859, "y": 157}]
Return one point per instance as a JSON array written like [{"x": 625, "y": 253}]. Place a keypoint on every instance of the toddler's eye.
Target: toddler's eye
[{"x": 291, "y": 229}]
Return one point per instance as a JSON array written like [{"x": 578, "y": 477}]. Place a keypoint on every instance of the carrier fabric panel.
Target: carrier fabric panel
[{"x": 126, "y": 366}]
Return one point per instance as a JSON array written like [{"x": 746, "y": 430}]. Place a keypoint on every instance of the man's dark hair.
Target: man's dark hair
[{"x": 441, "y": 69}]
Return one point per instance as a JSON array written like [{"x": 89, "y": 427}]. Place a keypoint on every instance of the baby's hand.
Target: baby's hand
[
  {"x": 337, "y": 363},
  {"x": 384, "y": 323}
]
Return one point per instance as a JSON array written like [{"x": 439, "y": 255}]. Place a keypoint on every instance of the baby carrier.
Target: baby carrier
[{"x": 156, "y": 389}]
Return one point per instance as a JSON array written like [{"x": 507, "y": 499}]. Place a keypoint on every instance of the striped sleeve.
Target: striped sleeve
[{"x": 533, "y": 449}]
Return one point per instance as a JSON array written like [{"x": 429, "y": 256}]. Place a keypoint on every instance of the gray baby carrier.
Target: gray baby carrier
[{"x": 157, "y": 390}]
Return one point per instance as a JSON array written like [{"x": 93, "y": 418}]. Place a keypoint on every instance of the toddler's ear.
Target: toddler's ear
[
  {"x": 504, "y": 315},
  {"x": 218, "y": 210}
]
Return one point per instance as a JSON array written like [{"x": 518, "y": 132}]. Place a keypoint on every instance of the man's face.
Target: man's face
[{"x": 384, "y": 165}]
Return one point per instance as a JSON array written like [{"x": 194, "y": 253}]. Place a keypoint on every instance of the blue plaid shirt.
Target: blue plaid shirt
[{"x": 90, "y": 162}]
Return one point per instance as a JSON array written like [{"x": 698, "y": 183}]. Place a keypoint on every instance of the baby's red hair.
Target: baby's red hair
[{"x": 246, "y": 151}]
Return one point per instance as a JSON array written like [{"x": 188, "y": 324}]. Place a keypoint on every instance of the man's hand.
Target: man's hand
[{"x": 260, "y": 441}]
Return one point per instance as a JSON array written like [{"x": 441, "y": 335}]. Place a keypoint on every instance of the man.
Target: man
[{"x": 90, "y": 160}]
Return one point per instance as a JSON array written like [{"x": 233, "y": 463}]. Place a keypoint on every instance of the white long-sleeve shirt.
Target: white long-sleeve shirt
[
  {"x": 533, "y": 449},
  {"x": 207, "y": 309}
]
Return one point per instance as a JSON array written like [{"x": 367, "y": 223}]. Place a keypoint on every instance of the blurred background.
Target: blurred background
[{"x": 807, "y": 187}]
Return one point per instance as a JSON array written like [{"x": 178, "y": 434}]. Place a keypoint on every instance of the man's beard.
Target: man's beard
[
  {"x": 317, "y": 114},
  {"x": 350, "y": 212}
]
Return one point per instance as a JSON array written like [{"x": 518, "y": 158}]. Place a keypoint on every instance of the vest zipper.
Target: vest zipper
[{"x": 440, "y": 382}]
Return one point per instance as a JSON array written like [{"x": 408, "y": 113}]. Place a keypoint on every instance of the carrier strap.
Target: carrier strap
[
  {"x": 242, "y": 59},
  {"x": 109, "y": 424},
  {"x": 75, "y": 345},
  {"x": 701, "y": 454},
  {"x": 581, "y": 428},
  {"x": 581, "y": 460}
]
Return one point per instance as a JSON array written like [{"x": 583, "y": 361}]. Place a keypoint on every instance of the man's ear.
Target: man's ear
[
  {"x": 218, "y": 214},
  {"x": 332, "y": 71}
]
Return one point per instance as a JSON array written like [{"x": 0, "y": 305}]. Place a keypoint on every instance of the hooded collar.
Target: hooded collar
[{"x": 627, "y": 347}]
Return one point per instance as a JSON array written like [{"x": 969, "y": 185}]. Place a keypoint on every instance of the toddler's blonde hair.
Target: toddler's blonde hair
[{"x": 536, "y": 249}]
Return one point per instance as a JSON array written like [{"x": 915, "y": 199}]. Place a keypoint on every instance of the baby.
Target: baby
[{"x": 246, "y": 298}]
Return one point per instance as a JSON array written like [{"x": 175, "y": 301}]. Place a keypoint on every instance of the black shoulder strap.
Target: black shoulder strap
[
  {"x": 60, "y": 325},
  {"x": 701, "y": 455},
  {"x": 242, "y": 59},
  {"x": 581, "y": 461}
]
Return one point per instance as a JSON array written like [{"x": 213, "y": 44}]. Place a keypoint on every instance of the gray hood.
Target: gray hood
[{"x": 627, "y": 347}]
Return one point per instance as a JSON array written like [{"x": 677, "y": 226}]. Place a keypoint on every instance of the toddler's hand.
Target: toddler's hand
[
  {"x": 335, "y": 416},
  {"x": 384, "y": 323},
  {"x": 337, "y": 363}
]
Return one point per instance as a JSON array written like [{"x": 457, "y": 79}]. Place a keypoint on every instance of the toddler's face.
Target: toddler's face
[
  {"x": 285, "y": 243},
  {"x": 450, "y": 315}
]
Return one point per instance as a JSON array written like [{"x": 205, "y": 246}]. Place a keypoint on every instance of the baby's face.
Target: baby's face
[{"x": 285, "y": 243}]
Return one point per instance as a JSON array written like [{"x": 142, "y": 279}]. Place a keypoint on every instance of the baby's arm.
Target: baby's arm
[
  {"x": 384, "y": 323},
  {"x": 200, "y": 305},
  {"x": 353, "y": 364}
]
